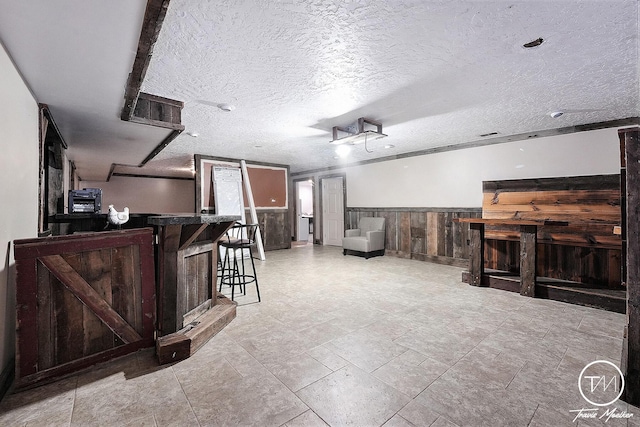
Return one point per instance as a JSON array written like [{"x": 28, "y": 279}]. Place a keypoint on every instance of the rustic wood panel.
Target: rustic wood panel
[
  {"x": 274, "y": 228},
  {"x": 585, "y": 251},
  {"x": 584, "y": 199},
  {"x": 476, "y": 249},
  {"x": 391, "y": 230},
  {"x": 95, "y": 269},
  {"x": 527, "y": 261},
  {"x": 432, "y": 233},
  {"x": 404, "y": 235},
  {"x": 631, "y": 351},
  {"x": 67, "y": 292},
  {"x": 598, "y": 266},
  {"x": 418, "y": 232},
  {"x": 447, "y": 218},
  {"x": 45, "y": 313}
]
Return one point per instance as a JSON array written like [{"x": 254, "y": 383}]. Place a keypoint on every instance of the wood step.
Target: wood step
[{"x": 184, "y": 343}]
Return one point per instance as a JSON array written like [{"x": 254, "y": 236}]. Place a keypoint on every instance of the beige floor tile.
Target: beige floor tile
[
  {"x": 308, "y": 419},
  {"x": 366, "y": 350},
  {"x": 111, "y": 400},
  {"x": 476, "y": 406},
  {"x": 299, "y": 371},
  {"x": 263, "y": 401},
  {"x": 443, "y": 422},
  {"x": 397, "y": 421},
  {"x": 350, "y": 396},
  {"x": 327, "y": 357},
  {"x": 417, "y": 414},
  {"x": 406, "y": 374},
  {"x": 49, "y": 404}
]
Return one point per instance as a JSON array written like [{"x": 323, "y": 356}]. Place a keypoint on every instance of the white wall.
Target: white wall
[
  {"x": 146, "y": 195},
  {"x": 454, "y": 178},
  {"x": 18, "y": 188}
]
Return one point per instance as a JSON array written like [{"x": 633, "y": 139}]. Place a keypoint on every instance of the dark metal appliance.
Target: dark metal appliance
[{"x": 85, "y": 200}]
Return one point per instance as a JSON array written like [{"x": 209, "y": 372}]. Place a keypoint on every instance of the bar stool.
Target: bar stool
[{"x": 239, "y": 237}]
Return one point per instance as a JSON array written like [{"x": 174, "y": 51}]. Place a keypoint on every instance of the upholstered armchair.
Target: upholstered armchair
[{"x": 367, "y": 240}]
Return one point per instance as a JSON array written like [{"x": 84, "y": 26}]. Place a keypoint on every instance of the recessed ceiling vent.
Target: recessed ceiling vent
[{"x": 359, "y": 132}]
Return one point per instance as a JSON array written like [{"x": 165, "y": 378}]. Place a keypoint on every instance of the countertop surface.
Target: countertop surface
[{"x": 187, "y": 219}]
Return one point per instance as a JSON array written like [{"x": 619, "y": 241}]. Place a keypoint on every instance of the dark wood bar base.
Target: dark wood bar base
[
  {"x": 557, "y": 290},
  {"x": 190, "y": 311},
  {"x": 184, "y": 343}
]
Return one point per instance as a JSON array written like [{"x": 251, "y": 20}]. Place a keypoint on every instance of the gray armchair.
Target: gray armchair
[{"x": 367, "y": 240}]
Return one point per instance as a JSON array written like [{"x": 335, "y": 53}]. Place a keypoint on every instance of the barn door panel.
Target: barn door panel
[{"x": 82, "y": 299}]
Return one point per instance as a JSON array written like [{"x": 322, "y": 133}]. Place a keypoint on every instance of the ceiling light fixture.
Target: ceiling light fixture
[
  {"x": 357, "y": 133},
  {"x": 193, "y": 134},
  {"x": 226, "y": 107},
  {"x": 556, "y": 114},
  {"x": 389, "y": 146}
]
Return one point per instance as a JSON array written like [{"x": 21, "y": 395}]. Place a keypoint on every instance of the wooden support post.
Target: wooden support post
[
  {"x": 631, "y": 366},
  {"x": 476, "y": 254},
  {"x": 623, "y": 203},
  {"x": 528, "y": 242}
]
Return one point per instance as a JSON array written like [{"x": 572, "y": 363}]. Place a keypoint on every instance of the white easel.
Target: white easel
[
  {"x": 227, "y": 190},
  {"x": 252, "y": 208}
]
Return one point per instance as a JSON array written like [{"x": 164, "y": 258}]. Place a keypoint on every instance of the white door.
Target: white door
[{"x": 332, "y": 211}]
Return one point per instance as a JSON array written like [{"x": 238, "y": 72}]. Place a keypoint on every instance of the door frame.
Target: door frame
[
  {"x": 295, "y": 206},
  {"x": 320, "y": 225}
]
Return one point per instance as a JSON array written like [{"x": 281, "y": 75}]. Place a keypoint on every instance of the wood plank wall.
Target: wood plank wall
[
  {"x": 585, "y": 251},
  {"x": 425, "y": 234},
  {"x": 274, "y": 227}
]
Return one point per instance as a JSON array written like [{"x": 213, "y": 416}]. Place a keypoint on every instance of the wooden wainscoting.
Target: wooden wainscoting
[
  {"x": 274, "y": 227},
  {"x": 425, "y": 234}
]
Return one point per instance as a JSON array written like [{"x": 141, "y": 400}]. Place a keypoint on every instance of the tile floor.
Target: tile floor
[{"x": 348, "y": 341}]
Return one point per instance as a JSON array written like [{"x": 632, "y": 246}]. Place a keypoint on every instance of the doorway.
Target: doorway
[
  {"x": 333, "y": 202},
  {"x": 304, "y": 212}
]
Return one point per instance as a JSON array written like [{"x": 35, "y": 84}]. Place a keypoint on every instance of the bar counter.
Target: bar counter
[{"x": 187, "y": 266}]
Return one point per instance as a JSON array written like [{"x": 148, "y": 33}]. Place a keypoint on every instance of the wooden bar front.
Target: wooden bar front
[
  {"x": 81, "y": 300},
  {"x": 190, "y": 311}
]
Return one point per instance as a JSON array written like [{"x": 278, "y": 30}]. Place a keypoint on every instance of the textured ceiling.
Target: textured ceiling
[
  {"x": 75, "y": 56},
  {"x": 435, "y": 73}
]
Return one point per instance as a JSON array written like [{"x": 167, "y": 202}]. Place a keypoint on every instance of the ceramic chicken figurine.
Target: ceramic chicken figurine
[{"x": 118, "y": 218}]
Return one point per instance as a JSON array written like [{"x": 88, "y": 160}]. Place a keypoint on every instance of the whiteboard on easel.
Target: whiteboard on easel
[{"x": 227, "y": 191}]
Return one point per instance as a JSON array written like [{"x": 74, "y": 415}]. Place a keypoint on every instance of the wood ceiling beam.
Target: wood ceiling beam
[
  {"x": 151, "y": 25},
  {"x": 144, "y": 108}
]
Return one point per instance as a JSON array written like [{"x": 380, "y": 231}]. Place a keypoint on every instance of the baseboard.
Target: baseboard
[{"x": 6, "y": 377}]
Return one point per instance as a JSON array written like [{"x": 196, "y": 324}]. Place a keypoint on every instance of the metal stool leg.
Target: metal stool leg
[
  {"x": 236, "y": 275},
  {"x": 255, "y": 275}
]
